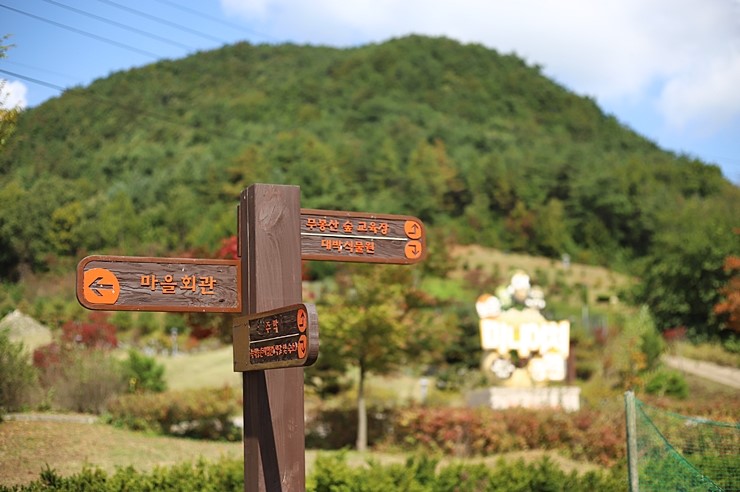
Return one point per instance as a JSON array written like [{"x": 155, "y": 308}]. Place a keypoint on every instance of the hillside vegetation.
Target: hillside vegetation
[{"x": 481, "y": 146}]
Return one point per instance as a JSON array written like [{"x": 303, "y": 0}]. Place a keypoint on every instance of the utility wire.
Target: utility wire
[
  {"x": 162, "y": 21},
  {"x": 122, "y": 26},
  {"x": 84, "y": 33},
  {"x": 38, "y": 69},
  {"x": 35, "y": 81},
  {"x": 214, "y": 19}
]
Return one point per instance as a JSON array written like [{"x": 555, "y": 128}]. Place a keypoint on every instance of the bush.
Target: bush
[
  {"x": 143, "y": 373},
  {"x": 223, "y": 475},
  {"x": 87, "y": 380},
  {"x": 201, "y": 414},
  {"x": 665, "y": 382},
  {"x": 95, "y": 333},
  {"x": 79, "y": 379},
  {"x": 332, "y": 473},
  {"x": 336, "y": 428},
  {"x": 586, "y": 434},
  {"x": 17, "y": 375}
]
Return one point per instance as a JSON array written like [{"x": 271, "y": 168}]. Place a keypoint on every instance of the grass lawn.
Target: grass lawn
[
  {"x": 207, "y": 369},
  {"x": 27, "y": 448}
]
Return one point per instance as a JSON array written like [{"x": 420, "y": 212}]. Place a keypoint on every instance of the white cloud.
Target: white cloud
[
  {"x": 248, "y": 9},
  {"x": 680, "y": 56},
  {"x": 13, "y": 94},
  {"x": 708, "y": 96}
]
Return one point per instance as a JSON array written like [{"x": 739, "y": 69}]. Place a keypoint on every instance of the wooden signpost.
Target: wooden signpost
[
  {"x": 277, "y": 334},
  {"x": 361, "y": 237},
  {"x": 287, "y": 337},
  {"x": 131, "y": 283}
]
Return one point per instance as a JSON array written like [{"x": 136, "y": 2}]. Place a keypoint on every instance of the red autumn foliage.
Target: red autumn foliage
[
  {"x": 47, "y": 356},
  {"x": 229, "y": 249},
  {"x": 673, "y": 334},
  {"x": 730, "y": 304},
  {"x": 97, "y": 332},
  {"x": 585, "y": 434}
]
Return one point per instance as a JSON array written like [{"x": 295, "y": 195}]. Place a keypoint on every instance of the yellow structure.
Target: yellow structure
[{"x": 521, "y": 348}]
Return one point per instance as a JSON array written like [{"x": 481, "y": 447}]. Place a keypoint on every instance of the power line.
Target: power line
[
  {"x": 39, "y": 69},
  {"x": 214, "y": 19},
  {"x": 84, "y": 33},
  {"x": 162, "y": 21},
  {"x": 121, "y": 25},
  {"x": 35, "y": 81}
]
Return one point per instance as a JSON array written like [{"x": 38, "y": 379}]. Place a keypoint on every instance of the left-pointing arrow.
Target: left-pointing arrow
[
  {"x": 95, "y": 286},
  {"x": 100, "y": 286}
]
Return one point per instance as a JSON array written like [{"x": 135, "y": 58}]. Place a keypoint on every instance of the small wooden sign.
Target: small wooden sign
[
  {"x": 131, "y": 283},
  {"x": 361, "y": 237},
  {"x": 286, "y": 337}
]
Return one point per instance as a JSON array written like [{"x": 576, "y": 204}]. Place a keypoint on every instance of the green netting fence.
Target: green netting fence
[{"x": 667, "y": 451}]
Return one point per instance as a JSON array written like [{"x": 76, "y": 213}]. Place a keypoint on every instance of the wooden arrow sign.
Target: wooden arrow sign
[
  {"x": 361, "y": 237},
  {"x": 286, "y": 337},
  {"x": 131, "y": 283}
]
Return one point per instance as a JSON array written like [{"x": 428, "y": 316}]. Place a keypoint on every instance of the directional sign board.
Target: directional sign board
[
  {"x": 361, "y": 237},
  {"x": 286, "y": 337},
  {"x": 130, "y": 283}
]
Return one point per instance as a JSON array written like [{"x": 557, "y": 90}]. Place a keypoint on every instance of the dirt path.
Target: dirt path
[
  {"x": 75, "y": 418},
  {"x": 720, "y": 374}
]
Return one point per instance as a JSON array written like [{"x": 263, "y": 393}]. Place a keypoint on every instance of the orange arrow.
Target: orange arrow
[
  {"x": 100, "y": 286},
  {"x": 302, "y": 346},
  {"x": 413, "y": 250},
  {"x": 302, "y": 320},
  {"x": 412, "y": 229}
]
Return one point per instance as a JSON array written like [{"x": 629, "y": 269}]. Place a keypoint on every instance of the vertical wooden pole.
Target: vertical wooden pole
[
  {"x": 630, "y": 413},
  {"x": 274, "y": 442}
]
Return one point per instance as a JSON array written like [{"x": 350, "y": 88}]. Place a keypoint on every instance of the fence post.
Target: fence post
[{"x": 631, "y": 418}]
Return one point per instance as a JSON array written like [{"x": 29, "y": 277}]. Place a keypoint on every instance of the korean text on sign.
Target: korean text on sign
[{"x": 203, "y": 285}]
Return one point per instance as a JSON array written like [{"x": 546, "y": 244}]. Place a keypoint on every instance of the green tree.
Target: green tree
[
  {"x": 8, "y": 116},
  {"x": 18, "y": 375},
  {"x": 143, "y": 373},
  {"x": 551, "y": 229},
  {"x": 377, "y": 320},
  {"x": 681, "y": 280}
]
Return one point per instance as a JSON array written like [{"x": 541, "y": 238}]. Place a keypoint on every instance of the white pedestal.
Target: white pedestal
[{"x": 563, "y": 397}]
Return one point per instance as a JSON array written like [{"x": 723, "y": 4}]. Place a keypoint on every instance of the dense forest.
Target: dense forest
[{"x": 479, "y": 145}]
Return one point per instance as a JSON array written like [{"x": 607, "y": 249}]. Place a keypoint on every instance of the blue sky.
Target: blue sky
[{"x": 669, "y": 69}]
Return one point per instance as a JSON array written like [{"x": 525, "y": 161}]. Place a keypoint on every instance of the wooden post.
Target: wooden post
[
  {"x": 270, "y": 242},
  {"x": 630, "y": 413}
]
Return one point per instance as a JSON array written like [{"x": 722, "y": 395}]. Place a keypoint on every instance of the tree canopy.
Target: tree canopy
[{"x": 479, "y": 145}]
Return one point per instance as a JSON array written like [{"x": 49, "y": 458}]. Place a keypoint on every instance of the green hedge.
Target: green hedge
[
  {"x": 332, "y": 473},
  {"x": 201, "y": 414},
  {"x": 224, "y": 475}
]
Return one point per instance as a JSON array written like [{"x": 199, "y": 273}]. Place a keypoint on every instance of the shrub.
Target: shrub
[
  {"x": 95, "y": 333},
  {"x": 17, "y": 376},
  {"x": 223, "y": 475},
  {"x": 87, "y": 380},
  {"x": 332, "y": 473},
  {"x": 586, "y": 434},
  {"x": 336, "y": 428},
  {"x": 201, "y": 414},
  {"x": 143, "y": 373},
  {"x": 79, "y": 379},
  {"x": 665, "y": 382}
]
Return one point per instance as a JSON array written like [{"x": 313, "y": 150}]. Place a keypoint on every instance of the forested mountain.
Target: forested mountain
[{"x": 480, "y": 145}]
